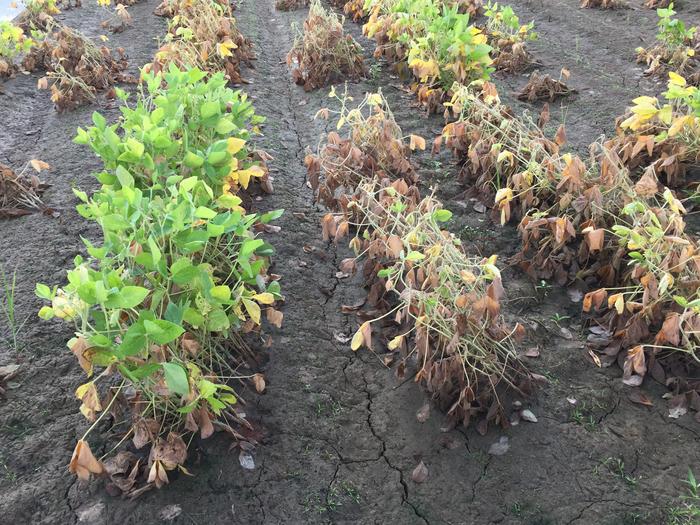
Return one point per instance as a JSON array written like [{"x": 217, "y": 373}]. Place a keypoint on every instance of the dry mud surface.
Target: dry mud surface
[{"x": 341, "y": 436}]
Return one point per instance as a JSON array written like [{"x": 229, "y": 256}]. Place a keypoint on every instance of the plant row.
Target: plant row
[
  {"x": 433, "y": 306},
  {"x": 162, "y": 303},
  {"x": 606, "y": 223},
  {"x": 435, "y": 44}
]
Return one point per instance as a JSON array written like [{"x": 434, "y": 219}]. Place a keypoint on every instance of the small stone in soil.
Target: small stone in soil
[
  {"x": 500, "y": 447},
  {"x": 527, "y": 415}
]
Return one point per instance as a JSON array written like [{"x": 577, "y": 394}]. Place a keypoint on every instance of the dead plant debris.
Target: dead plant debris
[
  {"x": 544, "y": 87},
  {"x": 20, "y": 194},
  {"x": 322, "y": 53}
]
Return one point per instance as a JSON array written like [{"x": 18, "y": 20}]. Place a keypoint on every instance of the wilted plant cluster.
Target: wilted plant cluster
[
  {"x": 420, "y": 35},
  {"x": 322, "y": 53},
  {"x": 676, "y": 49},
  {"x": 375, "y": 148},
  {"x": 605, "y": 223},
  {"x": 20, "y": 193},
  {"x": 604, "y": 4},
  {"x": 435, "y": 306},
  {"x": 508, "y": 37},
  {"x": 160, "y": 305},
  {"x": 289, "y": 5},
  {"x": 544, "y": 87},
  {"x": 663, "y": 137},
  {"x": 204, "y": 34},
  {"x": 77, "y": 68}
]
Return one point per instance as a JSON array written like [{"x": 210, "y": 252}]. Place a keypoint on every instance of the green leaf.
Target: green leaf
[
  {"x": 124, "y": 177},
  {"x": 46, "y": 313},
  {"x": 133, "y": 342},
  {"x": 218, "y": 321},
  {"x": 204, "y": 213},
  {"x": 222, "y": 292},
  {"x": 176, "y": 379},
  {"x": 127, "y": 297},
  {"x": 224, "y": 126},
  {"x": 99, "y": 121},
  {"x": 162, "y": 332},
  {"x": 43, "y": 291},
  {"x": 187, "y": 184},
  {"x": 442, "y": 215},
  {"x": 270, "y": 216},
  {"x": 414, "y": 256},
  {"x": 193, "y": 317},
  {"x": 209, "y": 109}
]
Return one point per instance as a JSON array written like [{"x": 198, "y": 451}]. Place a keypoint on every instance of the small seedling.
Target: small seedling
[
  {"x": 557, "y": 318},
  {"x": 7, "y": 306},
  {"x": 688, "y": 512},
  {"x": 616, "y": 466},
  {"x": 582, "y": 416}
]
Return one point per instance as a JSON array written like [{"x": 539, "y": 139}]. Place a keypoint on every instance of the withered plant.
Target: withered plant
[
  {"x": 322, "y": 53},
  {"x": 119, "y": 20},
  {"x": 676, "y": 49},
  {"x": 656, "y": 4},
  {"x": 290, "y": 5},
  {"x": 650, "y": 321},
  {"x": 496, "y": 147},
  {"x": 204, "y": 34},
  {"x": 20, "y": 193},
  {"x": 436, "y": 307},
  {"x": 600, "y": 224},
  {"x": 355, "y": 9},
  {"x": 471, "y": 7},
  {"x": 662, "y": 137},
  {"x": 604, "y": 4},
  {"x": 76, "y": 67},
  {"x": 544, "y": 87},
  {"x": 508, "y": 38},
  {"x": 373, "y": 147}
]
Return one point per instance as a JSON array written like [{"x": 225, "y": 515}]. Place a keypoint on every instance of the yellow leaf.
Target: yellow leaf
[
  {"x": 244, "y": 178},
  {"x": 676, "y": 79},
  {"x": 358, "y": 339},
  {"x": 234, "y": 145},
  {"x": 39, "y": 165},
  {"x": 103, "y": 37},
  {"x": 395, "y": 342},
  {"x": 374, "y": 99},
  {"x": 224, "y": 48},
  {"x": 666, "y": 114},
  {"x": 253, "y": 310},
  {"x": 504, "y": 194},
  {"x": 264, "y": 298}
]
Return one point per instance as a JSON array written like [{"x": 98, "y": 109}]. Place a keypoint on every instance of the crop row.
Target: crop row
[{"x": 161, "y": 305}]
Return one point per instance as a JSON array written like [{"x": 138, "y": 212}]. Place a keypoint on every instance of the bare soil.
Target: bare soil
[{"x": 341, "y": 435}]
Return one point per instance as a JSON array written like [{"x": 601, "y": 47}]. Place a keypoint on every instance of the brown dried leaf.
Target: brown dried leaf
[
  {"x": 420, "y": 473},
  {"x": 83, "y": 463}
]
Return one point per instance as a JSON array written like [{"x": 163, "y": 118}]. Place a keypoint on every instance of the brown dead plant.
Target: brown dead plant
[
  {"x": 322, "y": 53},
  {"x": 373, "y": 147},
  {"x": 77, "y": 68},
  {"x": 604, "y": 4},
  {"x": 544, "y": 87},
  {"x": 290, "y": 5},
  {"x": 20, "y": 193},
  {"x": 438, "y": 309}
]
